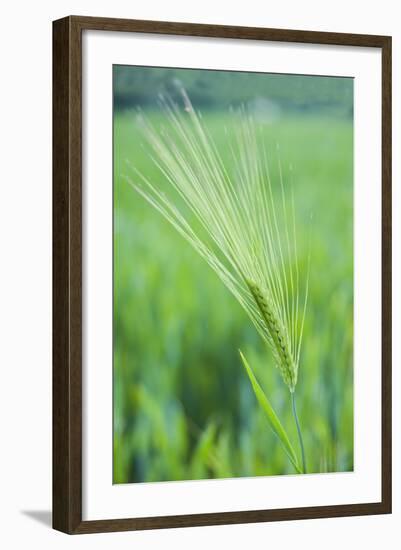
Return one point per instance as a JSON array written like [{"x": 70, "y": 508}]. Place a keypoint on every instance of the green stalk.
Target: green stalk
[
  {"x": 271, "y": 416},
  {"x": 294, "y": 410}
]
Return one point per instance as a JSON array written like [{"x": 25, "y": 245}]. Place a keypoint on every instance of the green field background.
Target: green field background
[{"x": 183, "y": 405}]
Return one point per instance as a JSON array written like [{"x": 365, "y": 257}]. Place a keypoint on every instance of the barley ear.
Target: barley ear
[{"x": 279, "y": 339}]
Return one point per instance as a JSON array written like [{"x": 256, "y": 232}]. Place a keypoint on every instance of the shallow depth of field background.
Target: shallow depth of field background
[{"x": 183, "y": 405}]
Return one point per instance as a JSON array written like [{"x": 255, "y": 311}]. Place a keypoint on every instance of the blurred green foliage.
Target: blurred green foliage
[
  {"x": 183, "y": 405},
  {"x": 219, "y": 89}
]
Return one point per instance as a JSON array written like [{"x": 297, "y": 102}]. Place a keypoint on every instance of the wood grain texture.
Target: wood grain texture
[
  {"x": 67, "y": 274},
  {"x": 225, "y": 31},
  {"x": 386, "y": 276},
  {"x": 67, "y": 277}
]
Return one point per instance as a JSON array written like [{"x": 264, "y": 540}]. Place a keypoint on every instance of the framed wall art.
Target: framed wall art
[{"x": 222, "y": 274}]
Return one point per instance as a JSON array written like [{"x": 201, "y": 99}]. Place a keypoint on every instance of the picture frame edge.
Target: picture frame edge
[{"x": 67, "y": 278}]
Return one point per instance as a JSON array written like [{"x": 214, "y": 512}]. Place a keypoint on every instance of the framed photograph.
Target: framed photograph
[{"x": 222, "y": 274}]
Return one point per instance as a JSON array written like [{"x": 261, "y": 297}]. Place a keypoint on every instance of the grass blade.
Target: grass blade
[{"x": 272, "y": 417}]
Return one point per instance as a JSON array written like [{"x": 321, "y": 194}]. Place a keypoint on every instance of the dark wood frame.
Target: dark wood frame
[{"x": 67, "y": 274}]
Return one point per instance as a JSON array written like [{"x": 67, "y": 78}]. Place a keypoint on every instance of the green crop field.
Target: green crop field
[{"x": 183, "y": 405}]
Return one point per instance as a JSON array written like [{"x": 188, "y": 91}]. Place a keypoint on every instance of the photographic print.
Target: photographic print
[
  {"x": 221, "y": 274},
  {"x": 233, "y": 274}
]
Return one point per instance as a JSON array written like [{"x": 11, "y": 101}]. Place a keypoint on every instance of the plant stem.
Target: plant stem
[{"x": 294, "y": 410}]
